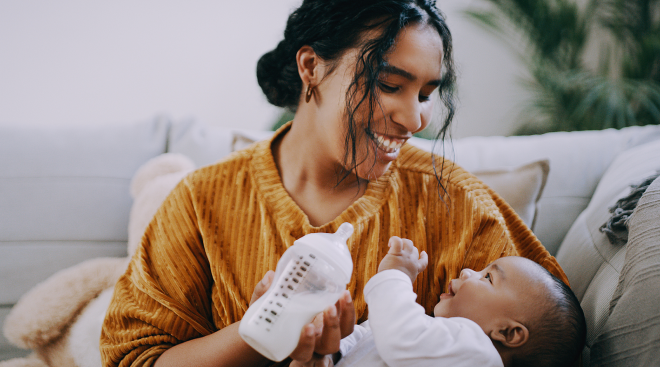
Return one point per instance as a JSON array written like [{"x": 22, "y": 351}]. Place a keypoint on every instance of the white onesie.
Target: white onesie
[{"x": 399, "y": 333}]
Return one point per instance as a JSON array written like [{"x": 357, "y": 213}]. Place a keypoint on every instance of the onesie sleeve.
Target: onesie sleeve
[
  {"x": 405, "y": 336},
  {"x": 348, "y": 343},
  {"x": 163, "y": 298}
]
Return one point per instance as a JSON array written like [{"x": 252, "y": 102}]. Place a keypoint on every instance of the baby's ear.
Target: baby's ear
[{"x": 512, "y": 334}]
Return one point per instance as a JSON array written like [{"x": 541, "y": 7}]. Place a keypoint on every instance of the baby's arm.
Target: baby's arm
[
  {"x": 404, "y": 335},
  {"x": 403, "y": 256}
]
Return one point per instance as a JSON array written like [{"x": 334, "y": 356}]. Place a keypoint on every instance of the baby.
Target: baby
[{"x": 512, "y": 313}]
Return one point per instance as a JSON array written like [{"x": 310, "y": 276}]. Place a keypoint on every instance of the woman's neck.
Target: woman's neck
[{"x": 310, "y": 175}]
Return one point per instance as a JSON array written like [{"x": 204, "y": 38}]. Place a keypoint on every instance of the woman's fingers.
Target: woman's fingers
[
  {"x": 333, "y": 324},
  {"x": 316, "y": 361},
  {"x": 347, "y": 314},
  {"x": 328, "y": 342},
  {"x": 262, "y": 286},
  {"x": 304, "y": 352}
]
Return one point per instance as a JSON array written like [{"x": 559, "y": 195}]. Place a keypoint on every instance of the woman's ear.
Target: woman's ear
[
  {"x": 309, "y": 66},
  {"x": 512, "y": 334}
]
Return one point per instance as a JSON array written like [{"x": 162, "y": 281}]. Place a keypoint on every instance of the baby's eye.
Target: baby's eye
[{"x": 489, "y": 277}]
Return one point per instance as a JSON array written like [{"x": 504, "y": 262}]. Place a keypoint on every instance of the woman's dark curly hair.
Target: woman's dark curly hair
[{"x": 330, "y": 28}]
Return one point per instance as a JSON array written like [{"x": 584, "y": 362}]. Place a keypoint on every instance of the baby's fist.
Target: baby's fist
[{"x": 404, "y": 256}]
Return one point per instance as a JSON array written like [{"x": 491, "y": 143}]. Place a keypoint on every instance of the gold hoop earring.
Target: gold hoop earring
[{"x": 308, "y": 93}]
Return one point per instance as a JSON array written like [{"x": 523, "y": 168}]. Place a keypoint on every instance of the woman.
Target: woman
[{"x": 360, "y": 75}]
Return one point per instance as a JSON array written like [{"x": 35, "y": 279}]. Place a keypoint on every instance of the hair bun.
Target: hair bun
[{"x": 277, "y": 75}]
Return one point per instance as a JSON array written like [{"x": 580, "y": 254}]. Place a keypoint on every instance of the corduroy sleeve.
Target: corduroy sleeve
[
  {"x": 163, "y": 298},
  {"x": 498, "y": 231},
  {"x": 526, "y": 243}
]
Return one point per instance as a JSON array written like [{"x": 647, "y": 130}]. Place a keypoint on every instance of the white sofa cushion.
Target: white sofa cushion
[
  {"x": 203, "y": 144},
  {"x": 66, "y": 196},
  {"x": 207, "y": 144},
  {"x": 593, "y": 264},
  {"x": 577, "y": 162}
]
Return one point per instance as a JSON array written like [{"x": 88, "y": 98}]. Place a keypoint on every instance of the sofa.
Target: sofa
[{"x": 65, "y": 199}]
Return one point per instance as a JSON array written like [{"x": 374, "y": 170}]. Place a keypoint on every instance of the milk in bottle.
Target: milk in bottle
[{"x": 310, "y": 276}]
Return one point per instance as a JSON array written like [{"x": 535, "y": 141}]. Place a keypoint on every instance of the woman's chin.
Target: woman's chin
[{"x": 374, "y": 172}]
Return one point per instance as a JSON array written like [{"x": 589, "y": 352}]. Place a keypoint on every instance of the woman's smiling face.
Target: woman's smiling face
[{"x": 412, "y": 73}]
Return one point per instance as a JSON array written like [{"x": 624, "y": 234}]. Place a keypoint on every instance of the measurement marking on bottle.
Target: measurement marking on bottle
[{"x": 291, "y": 282}]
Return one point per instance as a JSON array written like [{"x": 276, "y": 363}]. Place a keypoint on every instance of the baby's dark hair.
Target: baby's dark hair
[
  {"x": 557, "y": 335},
  {"x": 332, "y": 27}
]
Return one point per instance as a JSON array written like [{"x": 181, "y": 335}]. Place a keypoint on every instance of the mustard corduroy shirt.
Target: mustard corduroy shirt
[{"x": 225, "y": 225}]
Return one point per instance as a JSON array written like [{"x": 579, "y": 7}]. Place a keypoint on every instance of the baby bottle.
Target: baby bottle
[{"x": 310, "y": 276}]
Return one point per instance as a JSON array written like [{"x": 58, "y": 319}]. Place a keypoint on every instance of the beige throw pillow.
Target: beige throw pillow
[{"x": 521, "y": 187}]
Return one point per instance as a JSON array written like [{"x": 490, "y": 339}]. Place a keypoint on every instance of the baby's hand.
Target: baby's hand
[{"x": 403, "y": 256}]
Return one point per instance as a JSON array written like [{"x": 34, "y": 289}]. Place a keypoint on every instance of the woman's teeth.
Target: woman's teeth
[{"x": 387, "y": 145}]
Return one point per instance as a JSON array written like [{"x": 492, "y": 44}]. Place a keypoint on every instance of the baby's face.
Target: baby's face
[{"x": 505, "y": 288}]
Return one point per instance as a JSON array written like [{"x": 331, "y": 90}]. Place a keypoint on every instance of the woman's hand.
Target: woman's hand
[
  {"x": 317, "y": 361},
  {"x": 404, "y": 256},
  {"x": 262, "y": 286},
  {"x": 320, "y": 338}
]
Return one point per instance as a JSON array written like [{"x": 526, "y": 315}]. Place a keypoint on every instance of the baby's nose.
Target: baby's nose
[{"x": 466, "y": 274}]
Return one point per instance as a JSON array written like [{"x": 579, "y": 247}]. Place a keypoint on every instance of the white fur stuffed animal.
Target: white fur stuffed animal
[{"x": 60, "y": 319}]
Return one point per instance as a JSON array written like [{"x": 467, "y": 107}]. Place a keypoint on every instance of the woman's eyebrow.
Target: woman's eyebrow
[{"x": 391, "y": 69}]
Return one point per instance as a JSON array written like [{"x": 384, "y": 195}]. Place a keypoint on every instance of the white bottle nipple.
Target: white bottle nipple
[{"x": 344, "y": 231}]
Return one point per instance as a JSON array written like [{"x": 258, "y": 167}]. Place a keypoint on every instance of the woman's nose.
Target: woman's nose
[{"x": 409, "y": 115}]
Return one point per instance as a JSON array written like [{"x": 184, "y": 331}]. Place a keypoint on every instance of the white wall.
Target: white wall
[
  {"x": 75, "y": 62},
  {"x": 489, "y": 75}
]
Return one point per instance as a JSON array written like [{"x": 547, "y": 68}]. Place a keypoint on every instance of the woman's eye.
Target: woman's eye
[
  {"x": 387, "y": 88},
  {"x": 423, "y": 98}
]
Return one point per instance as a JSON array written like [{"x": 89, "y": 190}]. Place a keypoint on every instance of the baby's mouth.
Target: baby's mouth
[
  {"x": 388, "y": 144},
  {"x": 451, "y": 289}
]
